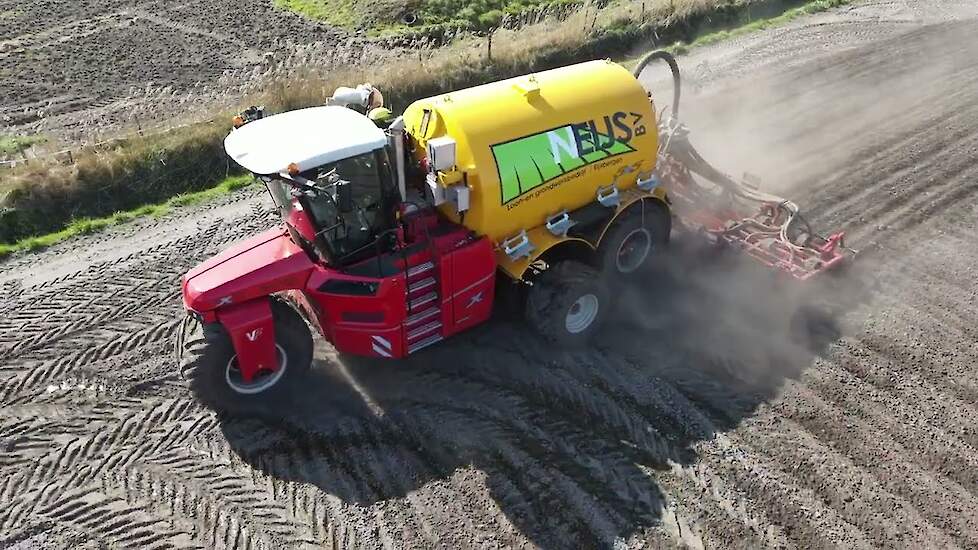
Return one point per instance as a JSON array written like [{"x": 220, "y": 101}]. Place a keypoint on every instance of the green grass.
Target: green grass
[
  {"x": 378, "y": 17},
  {"x": 11, "y": 145},
  {"x": 481, "y": 14},
  {"x": 761, "y": 24},
  {"x": 227, "y": 186},
  {"x": 341, "y": 13},
  {"x": 45, "y": 195},
  {"x": 715, "y": 37},
  {"x": 87, "y": 226}
]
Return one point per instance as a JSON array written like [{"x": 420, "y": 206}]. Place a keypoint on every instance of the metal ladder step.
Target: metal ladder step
[
  {"x": 421, "y": 285},
  {"x": 422, "y": 330},
  {"x": 420, "y": 268},
  {"x": 416, "y": 318},
  {"x": 421, "y": 344},
  {"x": 426, "y": 299}
]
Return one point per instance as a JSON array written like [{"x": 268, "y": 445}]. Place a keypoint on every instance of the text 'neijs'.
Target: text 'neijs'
[{"x": 531, "y": 161}]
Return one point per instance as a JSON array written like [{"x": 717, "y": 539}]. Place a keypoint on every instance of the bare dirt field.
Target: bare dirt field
[
  {"x": 73, "y": 65},
  {"x": 700, "y": 420}
]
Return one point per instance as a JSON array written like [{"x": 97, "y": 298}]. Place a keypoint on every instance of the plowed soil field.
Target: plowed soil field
[
  {"x": 68, "y": 66},
  {"x": 701, "y": 419}
]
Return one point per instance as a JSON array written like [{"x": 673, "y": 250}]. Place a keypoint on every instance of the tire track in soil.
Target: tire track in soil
[
  {"x": 770, "y": 492},
  {"x": 494, "y": 439},
  {"x": 341, "y": 458},
  {"x": 133, "y": 448},
  {"x": 957, "y": 454},
  {"x": 848, "y": 452},
  {"x": 429, "y": 381},
  {"x": 371, "y": 454}
]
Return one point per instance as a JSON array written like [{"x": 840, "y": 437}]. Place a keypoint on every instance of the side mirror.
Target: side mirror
[{"x": 344, "y": 196}]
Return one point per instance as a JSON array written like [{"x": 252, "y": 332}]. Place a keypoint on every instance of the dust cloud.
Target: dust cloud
[
  {"x": 731, "y": 320},
  {"x": 796, "y": 121},
  {"x": 799, "y": 128}
]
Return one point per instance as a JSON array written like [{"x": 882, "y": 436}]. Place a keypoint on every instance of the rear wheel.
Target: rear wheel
[
  {"x": 568, "y": 303},
  {"x": 210, "y": 364},
  {"x": 634, "y": 238}
]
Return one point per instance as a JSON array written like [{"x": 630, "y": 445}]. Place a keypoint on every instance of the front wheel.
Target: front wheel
[
  {"x": 209, "y": 363},
  {"x": 568, "y": 303}
]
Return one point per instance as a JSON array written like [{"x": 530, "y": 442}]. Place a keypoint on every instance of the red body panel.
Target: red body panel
[
  {"x": 441, "y": 284},
  {"x": 252, "y": 332},
  {"x": 350, "y": 322},
  {"x": 260, "y": 266},
  {"x": 472, "y": 286},
  {"x": 234, "y": 250},
  {"x": 233, "y": 288},
  {"x": 378, "y": 324}
]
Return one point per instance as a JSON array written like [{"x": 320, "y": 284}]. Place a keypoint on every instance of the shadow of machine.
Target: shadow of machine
[{"x": 568, "y": 440}]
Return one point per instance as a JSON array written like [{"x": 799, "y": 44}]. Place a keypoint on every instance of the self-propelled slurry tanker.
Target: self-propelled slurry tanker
[{"x": 394, "y": 239}]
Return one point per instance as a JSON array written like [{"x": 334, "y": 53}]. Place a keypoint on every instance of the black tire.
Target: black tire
[
  {"x": 644, "y": 226},
  {"x": 208, "y": 351},
  {"x": 551, "y": 299}
]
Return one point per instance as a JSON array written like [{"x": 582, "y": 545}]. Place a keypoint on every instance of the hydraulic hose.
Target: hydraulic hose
[
  {"x": 684, "y": 151},
  {"x": 673, "y": 66}
]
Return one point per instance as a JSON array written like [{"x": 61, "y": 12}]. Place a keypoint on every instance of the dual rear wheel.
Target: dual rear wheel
[{"x": 571, "y": 300}]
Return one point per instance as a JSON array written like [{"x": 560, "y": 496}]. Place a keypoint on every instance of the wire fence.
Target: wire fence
[{"x": 67, "y": 156}]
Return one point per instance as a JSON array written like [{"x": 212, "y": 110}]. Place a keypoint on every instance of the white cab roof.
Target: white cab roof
[{"x": 308, "y": 137}]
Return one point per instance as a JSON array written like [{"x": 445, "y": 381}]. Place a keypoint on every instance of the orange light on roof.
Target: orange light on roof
[
  {"x": 238, "y": 121},
  {"x": 293, "y": 169}
]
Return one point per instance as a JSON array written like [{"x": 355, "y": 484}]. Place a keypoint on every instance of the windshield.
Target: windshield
[{"x": 351, "y": 205}]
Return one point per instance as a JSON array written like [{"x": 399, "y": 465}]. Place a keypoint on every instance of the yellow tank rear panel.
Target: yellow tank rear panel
[{"x": 532, "y": 146}]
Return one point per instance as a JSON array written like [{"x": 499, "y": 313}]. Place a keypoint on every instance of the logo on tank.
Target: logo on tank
[{"x": 528, "y": 162}]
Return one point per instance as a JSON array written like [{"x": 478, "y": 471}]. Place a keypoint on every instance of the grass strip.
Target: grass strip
[
  {"x": 12, "y": 145},
  {"x": 709, "y": 39},
  {"x": 87, "y": 226}
]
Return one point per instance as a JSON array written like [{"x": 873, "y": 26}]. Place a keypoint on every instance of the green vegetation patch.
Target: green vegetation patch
[
  {"x": 480, "y": 14},
  {"x": 12, "y": 145},
  {"x": 746, "y": 27},
  {"x": 384, "y": 16},
  {"x": 342, "y": 13},
  {"x": 761, "y": 24},
  {"x": 41, "y": 196}
]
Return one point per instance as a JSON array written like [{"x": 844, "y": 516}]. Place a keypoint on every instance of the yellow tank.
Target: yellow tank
[{"x": 533, "y": 146}]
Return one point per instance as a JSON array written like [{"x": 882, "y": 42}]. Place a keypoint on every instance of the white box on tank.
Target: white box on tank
[{"x": 441, "y": 153}]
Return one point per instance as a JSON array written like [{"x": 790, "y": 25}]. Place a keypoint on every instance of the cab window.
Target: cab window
[{"x": 356, "y": 204}]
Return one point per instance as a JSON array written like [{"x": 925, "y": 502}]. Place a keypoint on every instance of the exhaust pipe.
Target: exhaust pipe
[{"x": 397, "y": 136}]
